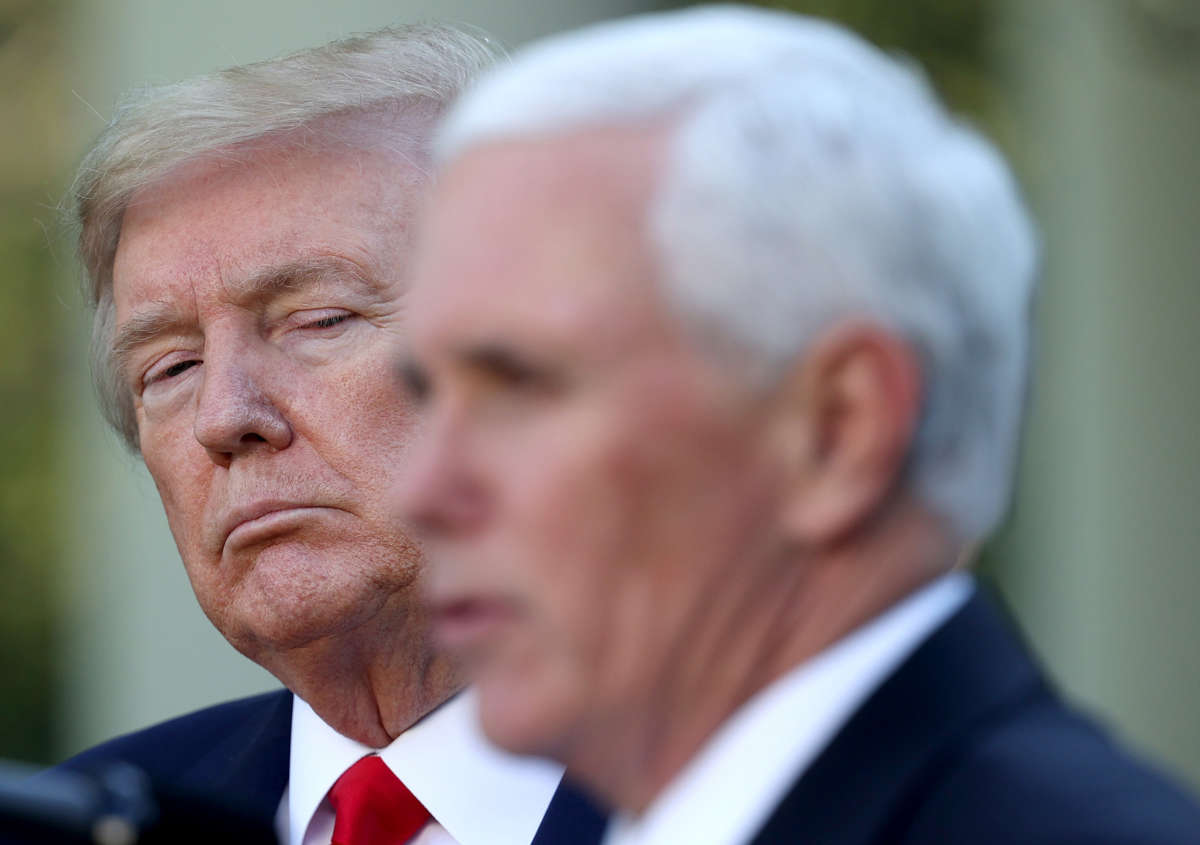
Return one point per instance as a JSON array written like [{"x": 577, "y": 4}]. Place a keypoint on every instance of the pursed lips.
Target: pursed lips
[{"x": 246, "y": 518}]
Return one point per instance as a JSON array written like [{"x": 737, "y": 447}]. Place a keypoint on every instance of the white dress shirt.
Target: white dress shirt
[
  {"x": 477, "y": 794},
  {"x": 727, "y": 791}
]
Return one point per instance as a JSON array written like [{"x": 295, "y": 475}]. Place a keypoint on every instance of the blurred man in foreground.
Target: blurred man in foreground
[
  {"x": 247, "y": 242},
  {"x": 720, "y": 331}
]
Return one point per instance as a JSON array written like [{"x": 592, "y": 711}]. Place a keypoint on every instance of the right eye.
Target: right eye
[{"x": 167, "y": 369}]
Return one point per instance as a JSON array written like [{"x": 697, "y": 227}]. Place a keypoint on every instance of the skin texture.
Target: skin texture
[
  {"x": 258, "y": 300},
  {"x": 626, "y": 543}
]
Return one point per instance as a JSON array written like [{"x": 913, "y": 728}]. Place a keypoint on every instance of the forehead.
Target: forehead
[
  {"x": 219, "y": 219},
  {"x": 546, "y": 230}
]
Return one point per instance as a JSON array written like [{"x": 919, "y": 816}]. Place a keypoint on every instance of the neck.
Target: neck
[
  {"x": 756, "y": 632},
  {"x": 370, "y": 685},
  {"x": 375, "y": 704}
]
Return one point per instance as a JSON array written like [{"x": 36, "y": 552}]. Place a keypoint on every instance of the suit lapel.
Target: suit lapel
[
  {"x": 250, "y": 764},
  {"x": 571, "y": 819},
  {"x": 865, "y": 786}
]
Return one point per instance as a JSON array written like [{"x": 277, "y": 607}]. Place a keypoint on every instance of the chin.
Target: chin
[
  {"x": 523, "y": 713},
  {"x": 272, "y": 614},
  {"x": 261, "y": 636}
]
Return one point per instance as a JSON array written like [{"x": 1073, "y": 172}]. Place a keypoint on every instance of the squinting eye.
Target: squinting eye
[
  {"x": 327, "y": 322},
  {"x": 156, "y": 375},
  {"x": 176, "y": 369}
]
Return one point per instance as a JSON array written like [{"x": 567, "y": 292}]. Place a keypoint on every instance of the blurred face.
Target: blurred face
[
  {"x": 589, "y": 486},
  {"x": 256, "y": 304}
]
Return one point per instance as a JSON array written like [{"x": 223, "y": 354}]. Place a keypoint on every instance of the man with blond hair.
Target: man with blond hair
[
  {"x": 246, "y": 237},
  {"x": 720, "y": 337}
]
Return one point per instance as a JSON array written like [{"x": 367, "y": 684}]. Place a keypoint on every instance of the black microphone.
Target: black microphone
[{"x": 118, "y": 804}]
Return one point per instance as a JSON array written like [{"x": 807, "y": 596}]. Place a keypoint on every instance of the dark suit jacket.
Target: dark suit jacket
[
  {"x": 242, "y": 748},
  {"x": 966, "y": 743},
  {"x": 239, "y": 749}
]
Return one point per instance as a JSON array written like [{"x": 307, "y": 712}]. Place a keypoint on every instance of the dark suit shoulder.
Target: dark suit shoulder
[
  {"x": 1047, "y": 775},
  {"x": 171, "y": 749}
]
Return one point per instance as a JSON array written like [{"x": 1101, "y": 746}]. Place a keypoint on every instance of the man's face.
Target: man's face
[
  {"x": 256, "y": 304},
  {"x": 591, "y": 489}
]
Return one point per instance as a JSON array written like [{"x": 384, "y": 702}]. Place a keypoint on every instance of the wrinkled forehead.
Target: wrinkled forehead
[
  {"x": 391, "y": 136},
  {"x": 231, "y": 217}
]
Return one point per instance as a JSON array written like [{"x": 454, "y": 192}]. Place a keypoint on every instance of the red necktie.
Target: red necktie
[{"x": 372, "y": 807}]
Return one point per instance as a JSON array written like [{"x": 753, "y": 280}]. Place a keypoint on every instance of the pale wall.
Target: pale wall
[{"x": 1102, "y": 563}]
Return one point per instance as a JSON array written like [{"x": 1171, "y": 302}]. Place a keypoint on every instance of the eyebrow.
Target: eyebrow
[
  {"x": 501, "y": 363},
  {"x": 492, "y": 357},
  {"x": 162, "y": 319}
]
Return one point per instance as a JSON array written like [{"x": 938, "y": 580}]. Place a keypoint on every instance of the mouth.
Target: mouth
[
  {"x": 264, "y": 520},
  {"x": 467, "y": 625}
]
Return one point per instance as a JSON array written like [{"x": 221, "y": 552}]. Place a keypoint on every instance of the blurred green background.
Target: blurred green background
[
  {"x": 33, "y": 150},
  {"x": 1095, "y": 103}
]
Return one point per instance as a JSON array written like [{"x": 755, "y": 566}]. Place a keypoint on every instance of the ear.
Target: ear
[{"x": 846, "y": 420}]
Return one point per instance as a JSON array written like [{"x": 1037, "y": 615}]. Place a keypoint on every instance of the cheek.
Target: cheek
[
  {"x": 635, "y": 527},
  {"x": 182, "y": 474},
  {"x": 184, "y": 490},
  {"x": 576, "y": 541},
  {"x": 359, "y": 409},
  {"x": 543, "y": 680},
  {"x": 584, "y": 547}
]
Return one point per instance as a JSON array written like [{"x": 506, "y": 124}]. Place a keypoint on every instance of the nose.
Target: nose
[
  {"x": 235, "y": 411},
  {"x": 442, "y": 492}
]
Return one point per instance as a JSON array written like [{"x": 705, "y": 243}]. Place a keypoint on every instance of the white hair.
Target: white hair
[
  {"x": 417, "y": 69},
  {"x": 809, "y": 178}
]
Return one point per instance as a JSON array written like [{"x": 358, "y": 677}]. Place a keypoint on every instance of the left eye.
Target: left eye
[{"x": 326, "y": 322}]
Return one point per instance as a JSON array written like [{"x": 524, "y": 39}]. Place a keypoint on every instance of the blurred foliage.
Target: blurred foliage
[
  {"x": 946, "y": 36},
  {"x": 1167, "y": 31},
  {"x": 952, "y": 40},
  {"x": 30, "y": 361}
]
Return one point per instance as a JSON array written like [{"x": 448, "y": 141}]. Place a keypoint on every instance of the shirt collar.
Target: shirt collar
[
  {"x": 729, "y": 788},
  {"x": 478, "y": 793}
]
